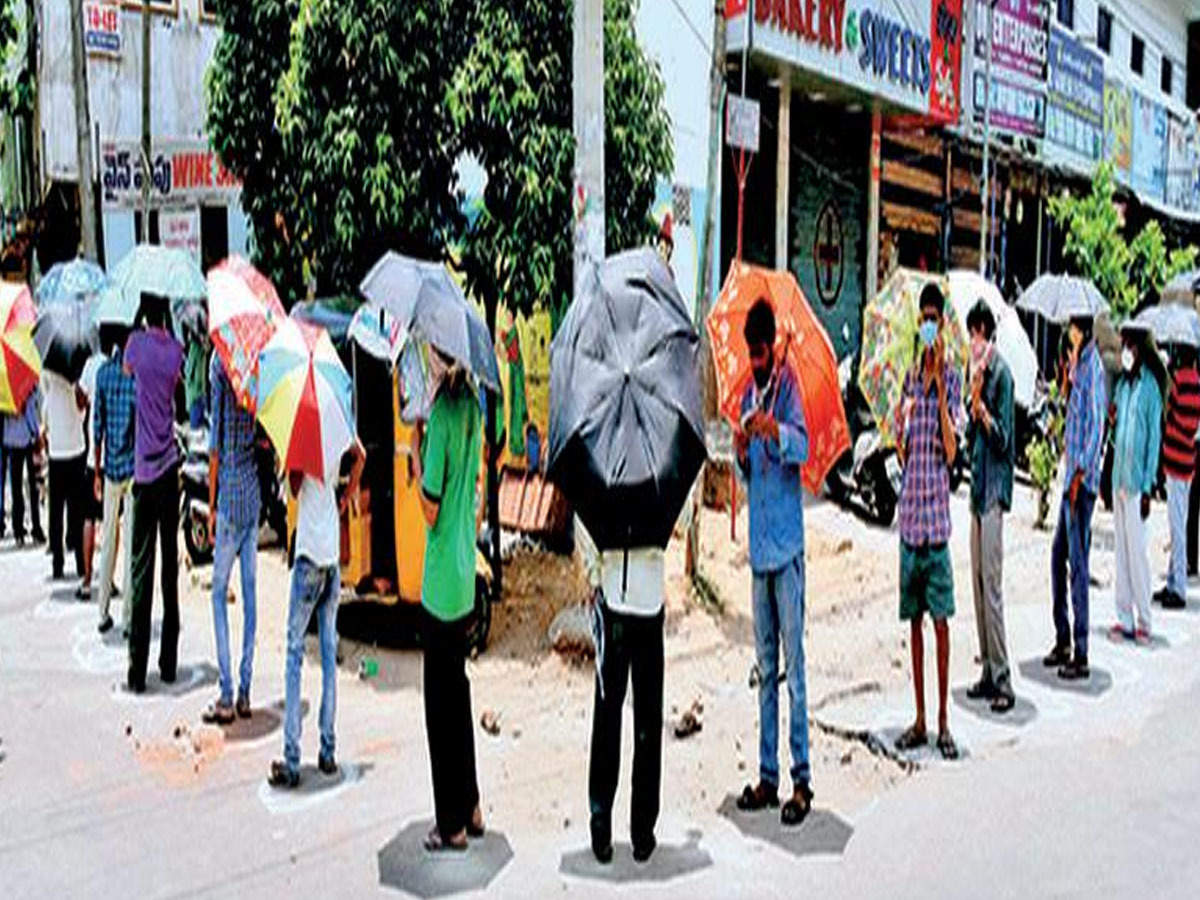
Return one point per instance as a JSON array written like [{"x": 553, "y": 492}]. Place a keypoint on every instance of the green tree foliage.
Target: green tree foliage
[
  {"x": 1124, "y": 271},
  {"x": 16, "y": 84}
]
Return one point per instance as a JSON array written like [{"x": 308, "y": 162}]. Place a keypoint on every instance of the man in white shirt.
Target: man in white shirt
[
  {"x": 628, "y": 627},
  {"x": 63, "y": 415}
]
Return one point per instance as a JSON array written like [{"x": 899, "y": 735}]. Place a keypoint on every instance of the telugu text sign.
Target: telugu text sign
[{"x": 183, "y": 173}]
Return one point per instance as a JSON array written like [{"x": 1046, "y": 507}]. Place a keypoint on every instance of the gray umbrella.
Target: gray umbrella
[
  {"x": 424, "y": 299},
  {"x": 1183, "y": 288},
  {"x": 1171, "y": 323},
  {"x": 626, "y": 414},
  {"x": 1060, "y": 298}
]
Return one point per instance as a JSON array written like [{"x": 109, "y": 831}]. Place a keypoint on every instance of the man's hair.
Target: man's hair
[
  {"x": 980, "y": 318},
  {"x": 112, "y": 336},
  {"x": 760, "y": 324},
  {"x": 155, "y": 310},
  {"x": 932, "y": 298},
  {"x": 1084, "y": 324},
  {"x": 1185, "y": 355}
]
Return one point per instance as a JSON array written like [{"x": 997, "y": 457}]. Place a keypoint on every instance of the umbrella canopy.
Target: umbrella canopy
[
  {"x": 243, "y": 313},
  {"x": 65, "y": 336},
  {"x": 626, "y": 414},
  {"x": 890, "y": 324},
  {"x": 426, "y": 301},
  {"x": 1184, "y": 288},
  {"x": 20, "y": 365},
  {"x": 1171, "y": 323},
  {"x": 377, "y": 332},
  {"x": 166, "y": 271},
  {"x": 1060, "y": 298},
  {"x": 966, "y": 289},
  {"x": 304, "y": 399},
  {"x": 77, "y": 278},
  {"x": 801, "y": 337}
]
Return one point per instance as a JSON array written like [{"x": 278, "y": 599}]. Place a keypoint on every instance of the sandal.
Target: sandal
[
  {"x": 947, "y": 747},
  {"x": 435, "y": 843},
  {"x": 1118, "y": 633},
  {"x": 912, "y": 739},
  {"x": 760, "y": 796},
  {"x": 475, "y": 827},
  {"x": 282, "y": 776},
  {"x": 218, "y": 714},
  {"x": 796, "y": 810},
  {"x": 1003, "y": 703}
]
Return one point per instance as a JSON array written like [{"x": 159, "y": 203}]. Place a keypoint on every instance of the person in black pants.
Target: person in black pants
[
  {"x": 1193, "y": 522},
  {"x": 21, "y": 434}
]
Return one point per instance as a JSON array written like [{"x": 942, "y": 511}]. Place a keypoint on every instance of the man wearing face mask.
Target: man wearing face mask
[
  {"x": 1073, "y": 535},
  {"x": 930, "y": 407},
  {"x": 772, "y": 446},
  {"x": 990, "y": 443},
  {"x": 1136, "y": 444},
  {"x": 1179, "y": 460}
]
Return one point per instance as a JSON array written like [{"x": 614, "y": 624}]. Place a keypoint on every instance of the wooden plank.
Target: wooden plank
[
  {"x": 912, "y": 178},
  {"x": 967, "y": 220},
  {"x": 963, "y": 182},
  {"x": 927, "y": 144},
  {"x": 964, "y": 257},
  {"x": 908, "y": 218}
]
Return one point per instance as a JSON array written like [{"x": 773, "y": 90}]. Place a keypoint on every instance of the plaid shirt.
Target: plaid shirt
[
  {"x": 231, "y": 438},
  {"x": 925, "y": 490},
  {"x": 113, "y": 419},
  {"x": 1085, "y": 420}
]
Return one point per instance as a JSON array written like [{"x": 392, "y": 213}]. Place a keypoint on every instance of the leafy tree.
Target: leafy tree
[
  {"x": 1123, "y": 271},
  {"x": 14, "y": 85}
]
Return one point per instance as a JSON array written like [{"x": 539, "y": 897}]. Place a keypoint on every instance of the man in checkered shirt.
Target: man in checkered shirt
[{"x": 931, "y": 407}]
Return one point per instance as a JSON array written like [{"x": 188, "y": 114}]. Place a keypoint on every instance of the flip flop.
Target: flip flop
[
  {"x": 912, "y": 739},
  {"x": 760, "y": 796},
  {"x": 1118, "y": 633},
  {"x": 218, "y": 714},
  {"x": 282, "y": 776},
  {"x": 473, "y": 830},
  {"x": 794, "y": 812},
  {"x": 947, "y": 747},
  {"x": 435, "y": 843}
]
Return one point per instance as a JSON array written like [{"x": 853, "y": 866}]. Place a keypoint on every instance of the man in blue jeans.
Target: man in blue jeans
[
  {"x": 233, "y": 507},
  {"x": 772, "y": 445},
  {"x": 316, "y": 585}
]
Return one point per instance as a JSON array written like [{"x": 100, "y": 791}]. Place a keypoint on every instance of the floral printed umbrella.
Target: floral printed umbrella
[
  {"x": 243, "y": 313},
  {"x": 890, "y": 325},
  {"x": 20, "y": 364},
  {"x": 799, "y": 335}
]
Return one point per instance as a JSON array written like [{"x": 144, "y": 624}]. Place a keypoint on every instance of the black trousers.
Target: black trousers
[
  {"x": 66, "y": 487},
  {"x": 449, "y": 724},
  {"x": 632, "y": 648},
  {"x": 155, "y": 509},
  {"x": 1193, "y": 523},
  {"x": 20, "y": 464}
]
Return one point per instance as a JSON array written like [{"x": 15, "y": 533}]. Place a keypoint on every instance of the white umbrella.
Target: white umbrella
[
  {"x": 1061, "y": 298},
  {"x": 1182, "y": 289},
  {"x": 966, "y": 289},
  {"x": 1172, "y": 324}
]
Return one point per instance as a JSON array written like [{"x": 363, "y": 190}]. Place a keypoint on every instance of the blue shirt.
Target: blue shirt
[
  {"x": 113, "y": 417},
  {"x": 1085, "y": 420},
  {"x": 772, "y": 472},
  {"x": 231, "y": 438},
  {"x": 1138, "y": 433},
  {"x": 21, "y": 431}
]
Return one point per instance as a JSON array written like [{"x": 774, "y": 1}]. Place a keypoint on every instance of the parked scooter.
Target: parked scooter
[{"x": 868, "y": 475}]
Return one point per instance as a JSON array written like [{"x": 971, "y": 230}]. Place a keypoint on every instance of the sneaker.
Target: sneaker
[
  {"x": 327, "y": 764},
  {"x": 983, "y": 689},
  {"x": 282, "y": 776},
  {"x": 602, "y": 847},
  {"x": 105, "y": 625},
  {"x": 643, "y": 848},
  {"x": 1174, "y": 601},
  {"x": 83, "y": 593},
  {"x": 1075, "y": 670},
  {"x": 242, "y": 708},
  {"x": 1059, "y": 656},
  {"x": 1160, "y": 595}
]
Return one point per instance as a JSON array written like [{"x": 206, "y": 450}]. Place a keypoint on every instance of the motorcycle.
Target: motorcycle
[{"x": 869, "y": 474}]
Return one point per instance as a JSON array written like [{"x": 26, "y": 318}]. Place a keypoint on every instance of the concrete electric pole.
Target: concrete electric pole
[
  {"x": 147, "y": 165},
  {"x": 587, "y": 196},
  {"x": 985, "y": 223},
  {"x": 83, "y": 131}
]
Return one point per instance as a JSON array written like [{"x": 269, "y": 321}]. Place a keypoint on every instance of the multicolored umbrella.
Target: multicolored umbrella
[
  {"x": 890, "y": 325},
  {"x": 305, "y": 399},
  {"x": 166, "y": 271},
  {"x": 71, "y": 280},
  {"x": 377, "y": 332},
  {"x": 20, "y": 365},
  {"x": 802, "y": 339},
  {"x": 243, "y": 313}
]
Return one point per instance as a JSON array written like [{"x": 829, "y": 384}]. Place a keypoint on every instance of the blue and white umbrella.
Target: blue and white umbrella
[
  {"x": 376, "y": 331},
  {"x": 165, "y": 271},
  {"x": 1060, "y": 298},
  {"x": 1171, "y": 323},
  {"x": 76, "y": 279}
]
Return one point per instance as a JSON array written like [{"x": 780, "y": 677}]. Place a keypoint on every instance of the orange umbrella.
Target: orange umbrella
[
  {"x": 20, "y": 364},
  {"x": 801, "y": 337}
]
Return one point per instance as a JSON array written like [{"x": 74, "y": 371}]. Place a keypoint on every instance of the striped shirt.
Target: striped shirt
[{"x": 1183, "y": 418}]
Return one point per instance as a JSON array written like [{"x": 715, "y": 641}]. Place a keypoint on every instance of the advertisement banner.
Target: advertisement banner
[
  {"x": 1019, "y": 36},
  {"x": 1149, "y": 176},
  {"x": 1075, "y": 97},
  {"x": 102, "y": 28},
  {"x": 180, "y": 229},
  {"x": 1183, "y": 165},
  {"x": 1013, "y": 107},
  {"x": 1118, "y": 127},
  {"x": 182, "y": 172}
]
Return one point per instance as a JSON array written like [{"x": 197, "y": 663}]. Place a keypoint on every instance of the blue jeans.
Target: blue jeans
[
  {"x": 1178, "y": 490},
  {"x": 314, "y": 589},
  {"x": 1073, "y": 543},
  {"x": 235, "y": 542},
  {"x": 779, "y": 615}
]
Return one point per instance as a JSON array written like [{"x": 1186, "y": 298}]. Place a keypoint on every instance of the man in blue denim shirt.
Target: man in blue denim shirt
[{"x": 772, "y": 445}]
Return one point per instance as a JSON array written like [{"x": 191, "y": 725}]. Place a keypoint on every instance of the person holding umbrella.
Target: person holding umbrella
[
  {"x": 927, "y": 444},
  {"x": 772, "y": 446},
  {"x": 1179, "y": 461},
  {"x": 1137, "y": 424}
]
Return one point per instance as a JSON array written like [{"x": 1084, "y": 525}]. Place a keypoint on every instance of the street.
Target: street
[{"x": 1081, "y": 791}]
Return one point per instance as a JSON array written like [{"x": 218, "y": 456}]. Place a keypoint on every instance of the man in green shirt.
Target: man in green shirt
[{"x": 447, "y": 462}]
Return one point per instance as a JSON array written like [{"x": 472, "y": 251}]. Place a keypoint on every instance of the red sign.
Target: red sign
[
  {"x": 735, "y": 8},
  {"x": 102, "y": 29},
  {"x": 945, "y": 90},
  {"x": 815, "y": 21}
]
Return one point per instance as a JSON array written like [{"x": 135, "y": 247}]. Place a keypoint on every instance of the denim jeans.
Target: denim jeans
[
  {"x": 235, "y": 542},
  {"x": 779, "y": 616},
  {"x": 1178, "y": 490},
  {"x": 1072, "y": 543},
  {"x": 314, "y": 589}
]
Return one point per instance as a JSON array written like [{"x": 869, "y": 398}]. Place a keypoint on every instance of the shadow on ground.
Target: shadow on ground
[
  {"x": 315, "y": 788},
  {"x": 188, "y": 679},
  {"x": 823, "y": 832},
  {"x": 263, "y": 722},
  {"x": 406, "y": 865},
  {"x": 1098, "y": 683},
  {"x": 1022, "y": 713},
  {"x": 919, "y": 756},
  {"x": 1156, "y": 642},
  {"x": 669, "y": 861}
]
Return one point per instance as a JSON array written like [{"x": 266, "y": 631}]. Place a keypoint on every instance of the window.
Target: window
[
  {"x": 1168, "y": 74},
  {"x": 1104, "y": 30},
  {"x": 1137, "y": 55},
  {"x": 1066, "y": 13}
]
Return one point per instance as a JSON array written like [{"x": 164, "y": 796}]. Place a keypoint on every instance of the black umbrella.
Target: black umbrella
[
  {"x": 626, "y": 414},
  {"x": 65, "y": 336}
]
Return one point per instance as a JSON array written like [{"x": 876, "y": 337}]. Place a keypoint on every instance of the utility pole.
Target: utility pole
[
  {"x": 147, "y": 166},
  {"x": 83, "y": 133},
  {"x": 33, "y": 131},
  {"x": 588, "y": 93},
  {"x": 985, "y": 187}
]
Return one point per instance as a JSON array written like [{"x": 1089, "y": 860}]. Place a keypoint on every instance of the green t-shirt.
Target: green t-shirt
[{"x": 450, "y": 459}]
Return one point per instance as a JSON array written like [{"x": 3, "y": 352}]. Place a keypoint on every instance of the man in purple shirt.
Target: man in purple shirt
[
  {"x": 930, "y": 408},
  {"x": 155, "y": 360}
]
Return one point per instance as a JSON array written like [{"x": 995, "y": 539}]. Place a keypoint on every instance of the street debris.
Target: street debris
[
  {"x": 490, "y": 722},
  {"x": 691, "y": 722}
]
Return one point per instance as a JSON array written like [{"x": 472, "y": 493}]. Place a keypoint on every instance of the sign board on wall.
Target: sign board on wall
[
  {"x": 183, "y": 173},
  {"x": 1020, "y": 41},
  {"x": 1013, "y": 107},
  {"x": 1075, "y": 99},
  {"x": 1183, "y": 165},
  {"x": 741, "y": 123},
  {"x": 1149, "y": 175},
  {"x": 907, "y": 52},
  {"x": 180, "y": 229},
  {"x": 1118, "y": 127},
  {"x": 102, "y": 28}
]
